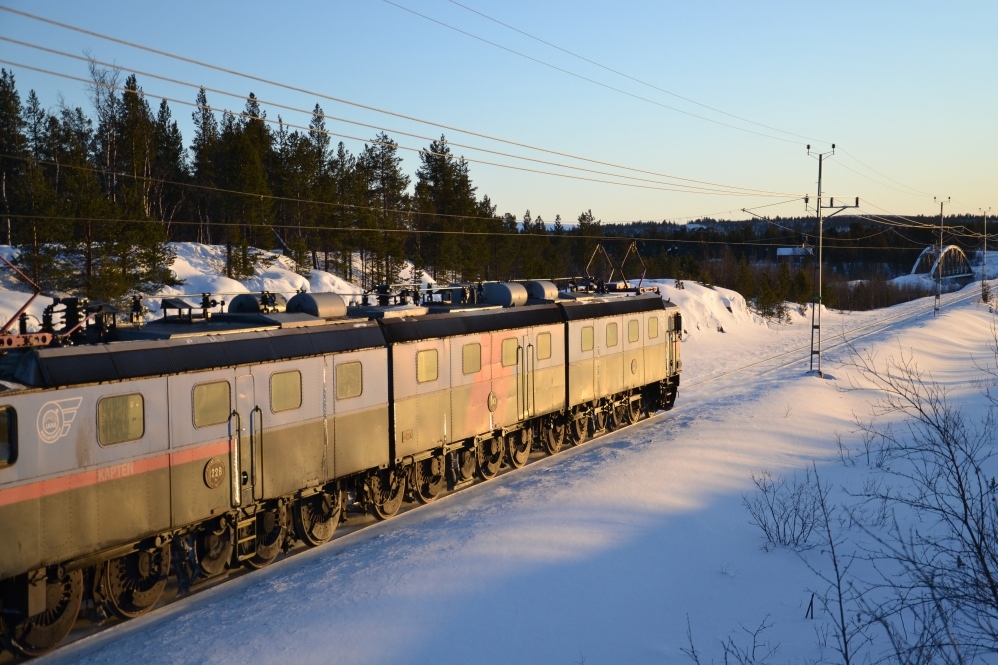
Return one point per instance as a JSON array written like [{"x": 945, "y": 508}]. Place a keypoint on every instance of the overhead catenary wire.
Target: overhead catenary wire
[
  {"x": 372, "y": 126},
  {"x": 854, "y": 157},
  {"x": 585, "y": 78},
  {"x": 355, "y": 229},
  {"x": 911, "y": 190},
  {"x": 673, "y": 188},
  {"x": 355, "y": 104},
  {"x": 338, "y": 100},
  {"x": 628, "y": 76},
  {"x": 274, "y": 197}
]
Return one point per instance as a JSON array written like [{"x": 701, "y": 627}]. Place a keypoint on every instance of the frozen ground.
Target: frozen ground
[{"x": 600, "y": 555}]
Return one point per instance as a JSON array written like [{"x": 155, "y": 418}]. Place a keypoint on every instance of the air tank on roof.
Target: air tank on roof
[
  {"x": 505, "y": 294},
  {"x": 321, "y": 305},
  {"x": 256, "y": 303},
  {"x": 541, "y": 290}
]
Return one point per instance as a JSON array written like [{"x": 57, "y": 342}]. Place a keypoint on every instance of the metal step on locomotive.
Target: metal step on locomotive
[{"x": 208, "y": 440}]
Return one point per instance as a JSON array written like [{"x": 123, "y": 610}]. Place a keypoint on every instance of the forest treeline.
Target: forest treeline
[{"x": 93, "y": 199}]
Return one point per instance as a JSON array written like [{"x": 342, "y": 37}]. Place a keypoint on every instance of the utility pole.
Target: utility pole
[
  {"x": 816, "y": 299},
  {"x": 985, "y": 292},
  {"x": 939, "y": 260},
  {"x": 985, "y": 213}
]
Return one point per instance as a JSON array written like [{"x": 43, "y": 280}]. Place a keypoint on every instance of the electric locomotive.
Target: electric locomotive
[{"x": 206, "y": 441}]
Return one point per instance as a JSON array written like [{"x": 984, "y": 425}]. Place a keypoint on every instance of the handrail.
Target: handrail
[
  {"x": 236, "y": 480},
  {"x": 253, "y": 449}
]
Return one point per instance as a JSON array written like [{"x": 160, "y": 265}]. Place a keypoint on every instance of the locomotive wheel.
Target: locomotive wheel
[
  {"x": 135, "y": 582},
  {"x": 43, "y": 632},
  {"x": 599, "y": 417},
  {"x": 490, "y": 454},
  {"x": 467, "y": 463},
  {"x": 519, "y": 445},
  {"x": 634, "y": 409},
  {"x": 554, "y": 437},
  {"x": 618, "y": 413},
  {"x": 387, "y": 490},
  {"x": 317, "y": 516},
  {"x": 214, "y": 549},
  {"x": 430, "y": 478},
  {"x": 580, "y": 427},
  {"x": 271, "y": 529}
]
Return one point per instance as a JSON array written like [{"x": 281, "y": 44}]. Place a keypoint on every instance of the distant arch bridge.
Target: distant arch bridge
[{"x": 953, "y": 265}]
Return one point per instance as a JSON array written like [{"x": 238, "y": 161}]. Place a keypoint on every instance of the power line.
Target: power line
[
  {"x": 368, "y": 125},
  {"x": 628, "y": 76},
  {"x": 339, "y": 100},
  {"x": 343, "y": 229},
  {"x": 402, "y": 147},
  {"x": 584, "y": 78},
  {"x": 851, "y": 156}
]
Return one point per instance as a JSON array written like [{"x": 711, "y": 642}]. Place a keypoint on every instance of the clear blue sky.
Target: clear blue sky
[{"x": 908, "y": 88}]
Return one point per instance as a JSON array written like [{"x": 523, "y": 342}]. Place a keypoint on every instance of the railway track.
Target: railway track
[{"x": 358, "y": 521}]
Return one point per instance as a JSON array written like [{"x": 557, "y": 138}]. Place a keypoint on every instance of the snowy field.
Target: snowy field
[{"x": 607, "y": 552}]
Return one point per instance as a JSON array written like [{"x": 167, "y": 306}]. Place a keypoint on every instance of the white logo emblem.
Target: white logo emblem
[{"x": 55, "y": 418}]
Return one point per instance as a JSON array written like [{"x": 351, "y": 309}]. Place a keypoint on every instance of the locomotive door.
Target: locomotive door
[{"x": 249, "y": 421}]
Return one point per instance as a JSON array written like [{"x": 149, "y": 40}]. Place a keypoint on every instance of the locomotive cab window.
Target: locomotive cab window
[
  {"x": 633, "y": 330},
  {"x": 212, "y": 405},
  {"x": 8, "y": 436},
  {"x": 426, "y": 366},
  {"x": 587, "y": 338},
  {"x": 349, "y": 380},
  {"x": 285, "y": 391},
  {"x": 471, "y": 358},
  {"x": 611, "y": 334},
  {"x": 120, "y": 418},
  {"x": 653, "y": 327},
  {"x": 509, "y": 348},
  {"x": 544, "y": 346}
]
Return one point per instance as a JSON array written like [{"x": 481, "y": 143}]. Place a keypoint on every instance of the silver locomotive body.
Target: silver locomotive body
[{"x": 127, "y": 462}]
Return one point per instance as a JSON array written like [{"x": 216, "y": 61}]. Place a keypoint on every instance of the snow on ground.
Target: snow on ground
[
  {"x": 599, "y": 555},
  {"x": 202, "y": 269}
]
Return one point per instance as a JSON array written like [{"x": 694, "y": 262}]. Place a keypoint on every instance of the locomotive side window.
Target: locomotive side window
[
  {"x": 633, "y": 330},
  {"x": 653, "y": 327},
  {"x": 471, "y": 358},
  {"x": 120, "y": 418},
  {"x": 212, "y": 404},
  {"x": 587, "y": 338},
  {"x": 349, "y": 380},
  {"x": 544, "y": 346},
  {"x": 426, "y": 366},
  {"x": 611, "y": 334},
  {"x": 285, "y": 391},
  {"x": 509, "y": 347},
  {"x": 8, "y": 436}
]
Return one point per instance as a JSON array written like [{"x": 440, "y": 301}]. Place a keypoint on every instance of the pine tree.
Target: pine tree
[
  {"x": 387, "y": 194},
  {"x": 745, "y": 280},
  {"x": 204, "y": 154},
  {"x": 445, "y": 197},
  {"x": 170, "y": 165},
  {"x": 13, "y": 147}
]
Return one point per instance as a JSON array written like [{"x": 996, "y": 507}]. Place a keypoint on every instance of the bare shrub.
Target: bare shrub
[
  {"x": 756, "y": 652},
  {"x": 939, "y": 559},
  {"x": 787, "y": 509}
]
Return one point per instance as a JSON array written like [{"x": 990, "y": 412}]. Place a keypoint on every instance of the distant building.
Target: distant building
[{"x": 793, "y": 255}]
